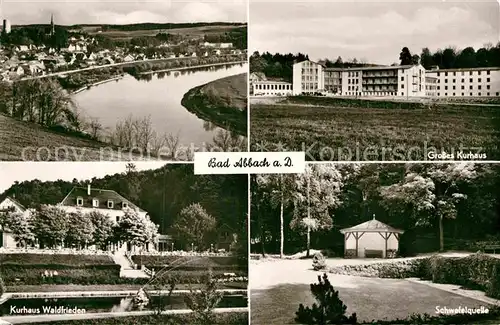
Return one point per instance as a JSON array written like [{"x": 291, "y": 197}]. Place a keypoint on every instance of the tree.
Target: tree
[
  {"x": 415, "y": 59},
  {"x": 80, "y": 229},
  {"x": 50, "y": 225},
  {"x": 317, "y": 190},
  {"x": 339, "y": 63},
  {"x": 329, "y": 309},
  {"x": 449, "y": 58},
  {"x": 194, "y": 225},
  {"x": 467, "y": 58},
  {"x": 426, "y": 58},
  {"x": 279, "y": 188},
  {"x": 19, "y": 224},
  {"x": 103, "y": 229},
  {"x": 431, "y": 193},
  {"x": 202, "y": 302},
  {"x": 135, "y": 228},
  {"x": 405, "y": 56}
]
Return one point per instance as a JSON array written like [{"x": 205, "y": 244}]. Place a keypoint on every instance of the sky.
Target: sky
[
  {"x": 369, "y": 30},
  {"x": 70, "y": 12},
  {"x": 67, "y": 171}
]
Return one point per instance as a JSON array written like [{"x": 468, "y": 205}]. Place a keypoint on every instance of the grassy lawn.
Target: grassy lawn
[
  {"x": 303, "y": 127},
  {"x": 371, "y": 299},
  {"x": 20, "y": 141}
]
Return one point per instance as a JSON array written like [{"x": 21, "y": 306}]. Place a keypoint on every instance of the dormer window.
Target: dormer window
[
  {"x": 124, "y": 204},
  {"x": 79, "y": 201},
  {"x": 95, "y": 203},
  {"x": 110, "y": 204}
]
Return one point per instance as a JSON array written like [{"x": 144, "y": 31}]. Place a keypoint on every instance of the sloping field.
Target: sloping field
[
  {"x": 27, "y": 141},
  {"x": 330, "y": 130}
]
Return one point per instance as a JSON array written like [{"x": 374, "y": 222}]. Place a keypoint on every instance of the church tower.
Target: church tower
[{"x": 52, "y": 29}]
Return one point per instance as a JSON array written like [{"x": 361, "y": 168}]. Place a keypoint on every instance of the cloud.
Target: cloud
[
  {"x": 378, "y": 37},
  {"x": 71, "y": 12}
]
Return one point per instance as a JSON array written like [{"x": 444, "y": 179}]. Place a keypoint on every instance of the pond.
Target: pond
[
  {"x": 158, "y": 96},
  {"x": 14, "y": 307}
]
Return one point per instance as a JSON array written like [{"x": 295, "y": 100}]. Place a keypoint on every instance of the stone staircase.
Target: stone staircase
[{"x": 126, "y": 266}]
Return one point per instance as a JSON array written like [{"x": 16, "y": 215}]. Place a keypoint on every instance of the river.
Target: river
[{"x": 156, "y": 95}]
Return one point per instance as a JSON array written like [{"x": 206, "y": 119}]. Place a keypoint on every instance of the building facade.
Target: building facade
[
  {"x": 271, "y": 88},
  {"x": 474, "y": 82},
  {"x": 404, "y": 81}
]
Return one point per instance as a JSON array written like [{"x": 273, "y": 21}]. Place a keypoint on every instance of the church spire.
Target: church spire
[{"x": 52, "y": 29}]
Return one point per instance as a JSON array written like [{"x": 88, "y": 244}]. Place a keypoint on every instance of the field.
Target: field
[
  {"x": 28, "y": 141},
  {"x": 331, "y": 129},
  {"x": 222, "y": 102},
  {"x": 191, "y": 31}
]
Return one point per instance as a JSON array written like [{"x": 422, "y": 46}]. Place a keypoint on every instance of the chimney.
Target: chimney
[{"x": 88, "y": 190}]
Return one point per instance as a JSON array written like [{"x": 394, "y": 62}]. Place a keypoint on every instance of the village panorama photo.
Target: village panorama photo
[
  {"x": 120, "y": 81},
  {"x": 122, "y": 243},
  {"x": 380, "y": 244}
]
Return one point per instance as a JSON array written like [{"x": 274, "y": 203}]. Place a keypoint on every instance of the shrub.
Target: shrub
[
  {"x": 493, "y": 287},
  {"x": 331, "y": 310},
  {"x": 319, "y": 262}
]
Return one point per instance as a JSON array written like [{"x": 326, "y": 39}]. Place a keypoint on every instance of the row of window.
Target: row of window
[
  {"x": 463, "y": 87},
  {"x": 95, "y": 203},
  {"x": 273, "y": 87},
  {"x": 463, "y": 73},
  {"x": 353, "y": 81},
  {"x": 463, "y": 80},
  {"x": 309, "y": 78},
  {"x": 471, "y": 94}
]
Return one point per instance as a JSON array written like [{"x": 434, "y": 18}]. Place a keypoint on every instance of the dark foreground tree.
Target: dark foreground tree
[{"x": 329, "y": 309}]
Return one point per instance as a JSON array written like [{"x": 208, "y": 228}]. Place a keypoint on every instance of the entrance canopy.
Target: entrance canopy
[{"x": 388, "y": 240}]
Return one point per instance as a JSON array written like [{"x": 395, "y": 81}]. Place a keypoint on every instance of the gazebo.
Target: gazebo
[{"x": 371, "y": 239}]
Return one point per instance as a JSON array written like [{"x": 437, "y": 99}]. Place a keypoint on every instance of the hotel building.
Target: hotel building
[
  {"x": 475, "y": 82},
  {"x": 394, "y": 81},
  {"x": 271, "y": 88}
]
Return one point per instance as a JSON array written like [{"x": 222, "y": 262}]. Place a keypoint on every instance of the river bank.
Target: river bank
[
  {"x": 222, "y": 102},
  {"x": 194, "y": 67},
  {"x": 96, "y": 84}
]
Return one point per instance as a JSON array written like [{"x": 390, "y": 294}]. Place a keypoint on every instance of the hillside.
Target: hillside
[
  {"x": 222, "y": 102},
  {"x": 21, "y": 140}
]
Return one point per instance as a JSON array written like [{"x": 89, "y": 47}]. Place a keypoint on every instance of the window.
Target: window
[
  {"x": 463, "y": 80},
  {"x": 438, "y": 74},
  {"x": 488, "y": 87},
  {"x": 446, "y": 81},
  {"x": 445, "y": 87},
  {"x": 453, "y": 94},
  {"x": 95, "y": 203},
  {"x": 438, "y": 88},
  {"x": 402, "y": 94},
  {"x": 487, "y": 94},
  {"x": 117, "y": 218},
  {"x": 454, "y": 87},
  {"x": 470, "y": 80},
  {"x": 479, "y": 73},
  {"x": 487, "y": 79},
  {"x": 470, "y": 87},
  {"x": 471, "y": 94},
  {"x": 439, "y": 94},
  {"x": 402, "y": 86},
  {"x": 479, "y": 94},
  {"x": 479, "y": 87},
  {"x": 446, "y": 94},
  {"x": 463, "y": 94},
  {"x": 79, "y": 201},
  {"x": 124, "y": 205},
  {"x": 446, "y": 74},
  {"x": 470, "y": 73},
  {"x": 454, "y": 73},
  {"x": 479, "y": 80},
  {"x": 488, "y": 72},
  {"x": 110, "y": 204},
  {"x": 463, "y": 73},
  {"x": 454, "y": 80},
  {"x": 463, "y": 87},
  {"x": 402, "y": 78}
]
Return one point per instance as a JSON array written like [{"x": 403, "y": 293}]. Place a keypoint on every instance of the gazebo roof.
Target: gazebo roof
[{"x": 372, "y": 226}]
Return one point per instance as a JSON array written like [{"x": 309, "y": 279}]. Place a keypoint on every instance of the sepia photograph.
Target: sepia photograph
[
  {"x": 376, "y": 81},
  {"x": 130, "y": 80},
  {"x": 369, "y": 243},
  {"x": 108, "y": 243}
]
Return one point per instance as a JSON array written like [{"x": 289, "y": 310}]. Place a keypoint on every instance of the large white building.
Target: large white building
[
  {"x": 271, "y": 88},
  {"x": 402, "y": 81},
  {"x": 475, "y": 82}
]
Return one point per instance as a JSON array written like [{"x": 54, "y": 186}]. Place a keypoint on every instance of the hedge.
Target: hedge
[
  {"x": 222, "y": 319},
  {"x": 60, "y": 259}
]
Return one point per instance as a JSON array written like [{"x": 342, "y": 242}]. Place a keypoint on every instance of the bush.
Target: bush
[
  {"x": 331, "y": 309},
  {"x": 319, "y": 262}
]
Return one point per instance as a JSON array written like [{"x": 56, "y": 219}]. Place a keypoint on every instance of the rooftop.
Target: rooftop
[
  {"x": 100, "y": 194},
  {"x": 371, "y": 226}
]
